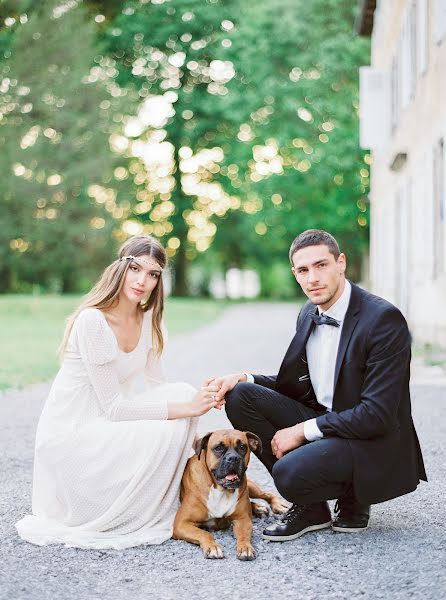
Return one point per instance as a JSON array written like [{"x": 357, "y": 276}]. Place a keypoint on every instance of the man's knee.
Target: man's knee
[
  {"x": 294, "y": 474},
  {"x": 238, "y": 399},
  {"x": 326, "y": 464},
  {"x": 243, "y": 392},
  {"x": 286, "y": 479}
]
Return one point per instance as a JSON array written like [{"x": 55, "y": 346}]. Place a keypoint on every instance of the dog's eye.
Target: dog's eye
[
  {"x": 242, "y": 448},
  {"x": 219, "y": 449}
]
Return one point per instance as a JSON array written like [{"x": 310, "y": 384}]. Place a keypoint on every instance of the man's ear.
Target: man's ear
[
  {"x": 254, "y": 442},
  {"x": 342, "y": 261},
  {"x": 202, "y": 444}
]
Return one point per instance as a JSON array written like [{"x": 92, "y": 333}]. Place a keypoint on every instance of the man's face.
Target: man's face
[{"x": 319, "y": 274}]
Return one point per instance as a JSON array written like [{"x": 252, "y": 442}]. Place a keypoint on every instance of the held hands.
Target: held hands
[
  {"x": 226, "y": 384},
  {"x": 288, "y": 439},
  {"x": 212, "y": 394},
  {"x": 204, "y": 400}
]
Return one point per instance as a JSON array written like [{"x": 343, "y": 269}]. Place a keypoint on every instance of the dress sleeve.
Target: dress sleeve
[{"x": 98, "y": 350}]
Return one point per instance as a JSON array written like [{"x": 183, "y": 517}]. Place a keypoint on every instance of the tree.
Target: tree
[
  {"x": 176, "y": 54},
  {"x": 282, "y": 123},
  {"x": 305, "y": 64},
  {"x": 55, "y": 151},
  {"x": 232, "y": 127}
]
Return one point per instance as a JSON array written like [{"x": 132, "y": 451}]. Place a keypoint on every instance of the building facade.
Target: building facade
[{"x": 403, "y": 123}]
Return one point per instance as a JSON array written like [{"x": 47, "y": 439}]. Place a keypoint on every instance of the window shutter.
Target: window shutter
[
  {"x": 406, "y": 83},
  {"x": 422, "y": 18},
  {"x": 439, "y": 20},
  {"x": 374, "y": 107}
]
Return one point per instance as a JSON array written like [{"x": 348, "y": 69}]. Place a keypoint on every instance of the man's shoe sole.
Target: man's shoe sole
[
  {"x": 286, "y": 538},
  {"x": 349, "y": 529}
]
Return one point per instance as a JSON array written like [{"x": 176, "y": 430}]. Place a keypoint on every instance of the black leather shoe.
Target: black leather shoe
[
  {"x": 298, "y": 520},
  {"x": 351, "y": 515}
]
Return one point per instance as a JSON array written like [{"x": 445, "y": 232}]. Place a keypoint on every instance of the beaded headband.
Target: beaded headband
[{"x": 138, "y": 258}]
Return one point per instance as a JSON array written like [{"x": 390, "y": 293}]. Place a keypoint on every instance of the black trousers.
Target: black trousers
[{"x": 315, "y": 472}]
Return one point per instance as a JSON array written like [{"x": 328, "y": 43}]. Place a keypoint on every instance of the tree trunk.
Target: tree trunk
[
  {"x": 69, "y": 281},
  {"x": 5, "y": 279},
  {"x": 180, "y": 285}
]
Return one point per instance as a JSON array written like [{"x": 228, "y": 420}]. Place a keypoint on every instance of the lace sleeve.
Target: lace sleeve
[{"x": 98, "y": 349}]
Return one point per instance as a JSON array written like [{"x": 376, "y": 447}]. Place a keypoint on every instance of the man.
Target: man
[{"x": 335, "y": 422}]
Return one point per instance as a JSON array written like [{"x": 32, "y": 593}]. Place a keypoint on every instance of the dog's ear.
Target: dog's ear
[
  {"x": 254, "y": 442},
  {"x": 202, "y": 444}
]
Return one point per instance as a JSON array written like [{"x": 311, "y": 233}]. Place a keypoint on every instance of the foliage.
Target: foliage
[
  {"x": 54, "y": 140},
  {"x": 232, "y": 127},
  {"x": 286, "y": 122}
]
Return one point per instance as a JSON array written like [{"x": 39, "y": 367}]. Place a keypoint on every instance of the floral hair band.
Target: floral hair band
[{"x": 137, "y": 259}]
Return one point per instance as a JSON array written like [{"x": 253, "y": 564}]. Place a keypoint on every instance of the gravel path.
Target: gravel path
[{"x": 401, "y": 555}]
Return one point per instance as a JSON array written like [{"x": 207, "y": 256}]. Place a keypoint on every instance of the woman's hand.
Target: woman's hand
[
  {"x": 201, "y": 403},
  {"x": 204, "y": 400},
  {"x": 225, "y": 384}
]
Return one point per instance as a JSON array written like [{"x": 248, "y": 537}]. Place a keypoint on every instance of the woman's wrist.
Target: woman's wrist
[{"x": 180, "y": 410}]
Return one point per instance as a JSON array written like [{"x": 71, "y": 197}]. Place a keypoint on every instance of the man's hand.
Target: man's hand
[
  {"x": 226, "y": 383},
  {"x": 288, "y": 439}
]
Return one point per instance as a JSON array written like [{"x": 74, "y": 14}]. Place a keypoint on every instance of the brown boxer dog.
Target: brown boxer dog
[{"x": 215, "y": 493}]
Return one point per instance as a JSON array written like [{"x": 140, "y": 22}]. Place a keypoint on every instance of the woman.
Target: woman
[{"x": 113, "y": 438}]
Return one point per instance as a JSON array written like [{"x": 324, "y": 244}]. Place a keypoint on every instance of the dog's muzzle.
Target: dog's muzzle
[{"x": 231, "y": 470}]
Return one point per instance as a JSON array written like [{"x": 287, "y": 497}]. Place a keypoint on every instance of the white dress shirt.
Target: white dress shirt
[{"x": 322, "y": 349}]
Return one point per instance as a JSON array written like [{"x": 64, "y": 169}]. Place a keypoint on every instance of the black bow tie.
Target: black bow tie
[{"x": 324, "y": 319}]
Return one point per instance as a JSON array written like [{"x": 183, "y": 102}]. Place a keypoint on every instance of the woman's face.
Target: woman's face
[{"x": 141, "y": 278}]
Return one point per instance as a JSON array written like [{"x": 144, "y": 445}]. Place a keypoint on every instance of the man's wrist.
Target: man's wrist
[
  {"x": 299, "y": 433},
  {"x": 312, "y": 431}
]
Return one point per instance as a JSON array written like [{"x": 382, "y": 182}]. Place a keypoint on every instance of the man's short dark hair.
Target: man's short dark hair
[{"x": 314, "y": 237}]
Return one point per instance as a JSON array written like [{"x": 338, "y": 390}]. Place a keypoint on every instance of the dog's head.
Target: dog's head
[{"x": 227, "y": 453}]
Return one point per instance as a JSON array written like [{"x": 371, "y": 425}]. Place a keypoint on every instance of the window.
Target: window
[
  {"x": 439, "y": 237},
  {"x": 395, "y": 92},
  {"x": 374, "y": 107},
  {"x": 412, "y": 28},
  {"x": 422, "y": 35},
  {"x": 408, "y": 53},
  {"x": 439, "y": 20},
  {"x": 402, "y": 250}
]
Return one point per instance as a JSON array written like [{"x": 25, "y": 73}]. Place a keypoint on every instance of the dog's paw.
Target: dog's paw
[
  {"x": 245, "y": 552},
  {"x": 213, "y": 551},
  {"x": 259, "y": 510},
  {"x": 278, "y": 507}
]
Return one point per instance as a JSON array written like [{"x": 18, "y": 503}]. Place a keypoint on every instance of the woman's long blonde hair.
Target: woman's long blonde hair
[{"x": 106, "y": 291}]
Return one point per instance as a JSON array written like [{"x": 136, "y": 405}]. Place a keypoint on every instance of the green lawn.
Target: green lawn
[{"x": 31, "y": 329}]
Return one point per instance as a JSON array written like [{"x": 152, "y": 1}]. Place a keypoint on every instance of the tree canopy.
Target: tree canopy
[{"x": 223, "y": 128}]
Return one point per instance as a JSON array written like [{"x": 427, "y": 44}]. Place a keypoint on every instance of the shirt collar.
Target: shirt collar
[{"x": 339, "y": 308}]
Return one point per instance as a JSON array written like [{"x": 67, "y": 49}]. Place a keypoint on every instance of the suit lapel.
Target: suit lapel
[
  {"x": 350, "y": 321},
  {"x": 293, "y": 379},
  {"x": 299, "y": 341},
  {"x": 297, "y": 347}
]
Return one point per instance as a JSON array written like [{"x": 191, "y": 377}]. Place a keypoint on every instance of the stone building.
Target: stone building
[{"x": 403, "y": 123}]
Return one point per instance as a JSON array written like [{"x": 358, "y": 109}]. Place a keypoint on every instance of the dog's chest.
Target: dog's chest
[{"x": 221, "y": 503}]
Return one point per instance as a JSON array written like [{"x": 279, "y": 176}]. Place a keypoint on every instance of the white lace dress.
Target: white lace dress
[{"x": 108, "y": 463}]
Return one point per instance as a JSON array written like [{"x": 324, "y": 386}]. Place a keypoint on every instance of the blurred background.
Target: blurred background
[{"x": 224, "y": 128}]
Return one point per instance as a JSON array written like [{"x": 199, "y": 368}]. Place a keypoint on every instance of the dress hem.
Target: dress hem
[{"x": 42, "y": 532}]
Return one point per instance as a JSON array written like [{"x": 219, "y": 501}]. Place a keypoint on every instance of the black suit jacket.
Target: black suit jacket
[{"x": 371, "y": 400}]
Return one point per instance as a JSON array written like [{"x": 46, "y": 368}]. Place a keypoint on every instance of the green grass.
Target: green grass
[
  {"x": 431, "y": 354},
  {"x": 32, "y": 328}
]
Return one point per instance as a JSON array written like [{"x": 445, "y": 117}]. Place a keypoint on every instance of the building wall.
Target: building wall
[{"x": 404, "y": 124}]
